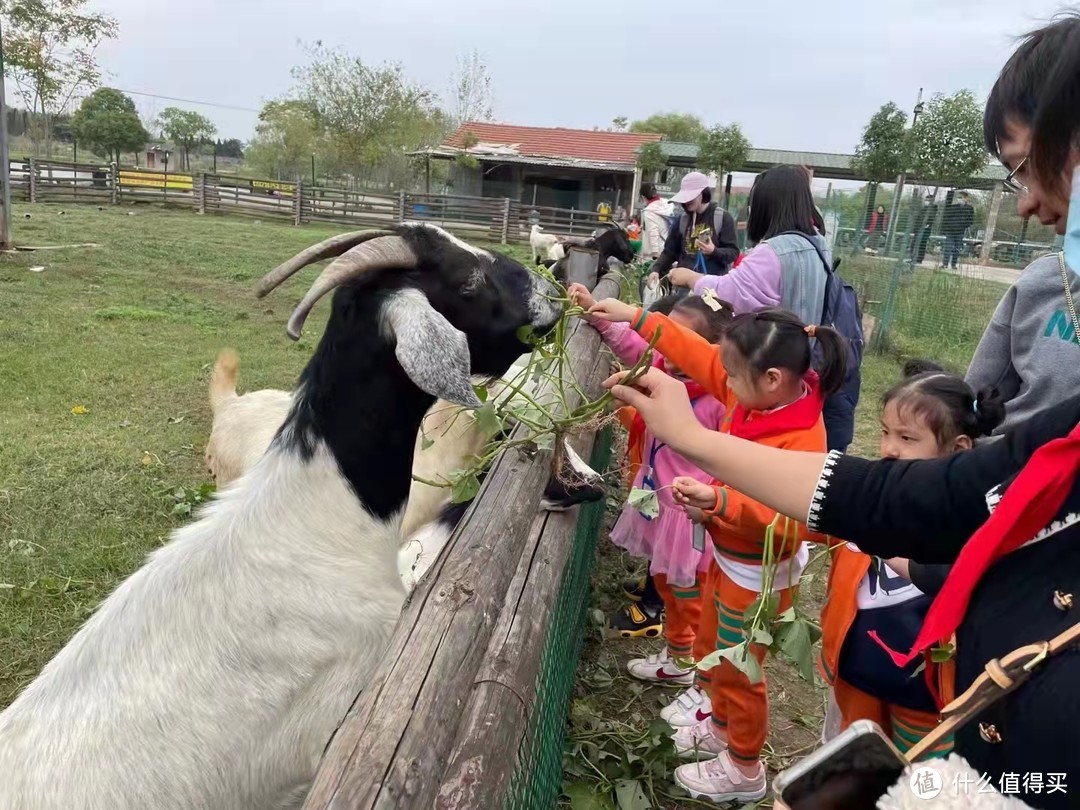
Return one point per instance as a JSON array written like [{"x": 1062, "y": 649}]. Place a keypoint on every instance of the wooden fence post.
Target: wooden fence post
[
  {"x": 114, "y": 183},
  {"x": 401, "y": 207},
  {"x": 202, "y": 193},
  {"x": 33, "y": 180},
  {"x": 298, "y": 203},
  {"x": 991, "y": 223},
  {"x": 506, "y": 220}
]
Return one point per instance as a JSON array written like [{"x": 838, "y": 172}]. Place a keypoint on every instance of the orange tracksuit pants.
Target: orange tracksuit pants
[
  {"x": 682, "y": 614},
  {"x": 908, "y": 726},
  {"x": 740, "y": 709}
]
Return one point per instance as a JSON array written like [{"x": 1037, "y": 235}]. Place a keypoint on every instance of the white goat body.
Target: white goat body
[
  {"x": 267, "y": 687},
  {"x": 541, "y": 242}
]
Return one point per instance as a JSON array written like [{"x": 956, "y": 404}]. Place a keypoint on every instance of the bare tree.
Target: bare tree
[{"x": 470, "y": 97}]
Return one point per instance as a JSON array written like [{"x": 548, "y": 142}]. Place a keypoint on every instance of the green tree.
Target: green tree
[
  {"x": 287, "y": 135},
  {"x": 230, "y": 148},
  {"x": 49, "y": 54},
  {"x": 681, "y": 127},
  {"x": 882, "y": 154},
  {"x": 651, "y": 159},
  {"x": 185, "y": 128},
  {"x": 107, "y": 122},
  {"x": 372, "y": 116},
  {"x": 723, "y": 149},
  {"x": 947, "y": 142},
  {"x": 471, "y": 98},
  {"x": 620, "y": 123}
]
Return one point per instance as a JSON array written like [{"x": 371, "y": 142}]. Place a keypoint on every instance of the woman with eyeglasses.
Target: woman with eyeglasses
[
  {"x": 1029, "y": 350},
  {"x": 1005, "y": 515}
]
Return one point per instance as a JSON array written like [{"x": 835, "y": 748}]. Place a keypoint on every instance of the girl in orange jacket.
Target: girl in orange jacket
[
  {"x": 763, "y": 375},
  {"x": 873, "y": 603}
]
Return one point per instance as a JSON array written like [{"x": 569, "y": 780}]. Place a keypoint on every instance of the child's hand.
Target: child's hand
[
  {"x": 684, "y": 277},
  {"x": 695, "y": 514},
  {"x": 613, "y": 310},
  {"x": 689, "y": 492},
  {"x": 581, "y": 297}
]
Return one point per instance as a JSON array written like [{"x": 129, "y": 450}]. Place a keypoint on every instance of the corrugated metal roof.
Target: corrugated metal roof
[
  {"x": 543, "y": 142},
  {"x": 526, "y": 160},
  {"x": 822, "y": 161}
]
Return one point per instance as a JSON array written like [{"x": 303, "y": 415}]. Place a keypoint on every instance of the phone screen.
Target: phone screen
[{"x": 853, "y": 777}]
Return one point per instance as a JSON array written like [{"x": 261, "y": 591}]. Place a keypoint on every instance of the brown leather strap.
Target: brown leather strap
[{"x": 1000, "y": 678}]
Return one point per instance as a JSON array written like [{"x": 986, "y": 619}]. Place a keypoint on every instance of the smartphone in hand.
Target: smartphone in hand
[{"x": 851, "y": 772}]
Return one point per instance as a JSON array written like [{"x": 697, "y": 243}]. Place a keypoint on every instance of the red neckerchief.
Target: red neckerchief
[
  {"x": 637, "y": 428},
  {"x": 802, "y": 414},
  {"x": 1029, "y": 504}
]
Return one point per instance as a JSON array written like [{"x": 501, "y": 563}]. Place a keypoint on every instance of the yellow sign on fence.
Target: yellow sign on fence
[
  {"x": 182, "y": 182},
  {"x": 286, "y": 189}
]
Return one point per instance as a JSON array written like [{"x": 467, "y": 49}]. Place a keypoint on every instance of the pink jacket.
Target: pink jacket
[{"x": 666, "y": 540}]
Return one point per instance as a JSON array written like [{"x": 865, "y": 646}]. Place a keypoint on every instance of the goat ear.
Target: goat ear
[{"x": 433, "y": 353}]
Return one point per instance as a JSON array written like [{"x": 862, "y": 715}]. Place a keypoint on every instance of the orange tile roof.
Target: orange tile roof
[{"x": 582, "y": 144}]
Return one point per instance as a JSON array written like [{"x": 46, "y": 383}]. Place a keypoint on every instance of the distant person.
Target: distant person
[
  {"x": 633, "y": 230},
  {"x": 703, "y": 237},
  {"x": 922, "y": 233},
  {"x": 879, "y": 224},
  {"x": 655, "y": 220},
  {"x": 603, "y": 211},
  {"x": 957, "y": 219}
]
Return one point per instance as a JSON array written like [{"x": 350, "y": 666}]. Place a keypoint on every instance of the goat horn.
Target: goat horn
[
  {"x": 334, "y": 246},
  {"x": 386, "y": 251}
]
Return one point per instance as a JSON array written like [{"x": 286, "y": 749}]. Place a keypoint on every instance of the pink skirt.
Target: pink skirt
[{"x": 667, "y": 541}]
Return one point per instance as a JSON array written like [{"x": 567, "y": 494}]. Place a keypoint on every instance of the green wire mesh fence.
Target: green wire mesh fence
[{"x": 537, "y": 778}]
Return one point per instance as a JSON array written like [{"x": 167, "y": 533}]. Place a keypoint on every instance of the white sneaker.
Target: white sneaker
[
  {"x": 688, "y": 709},
  {"x": 659, "y": 668},
  {"x": 698, "y": 741},
  {"x": 719, "y": 781}
]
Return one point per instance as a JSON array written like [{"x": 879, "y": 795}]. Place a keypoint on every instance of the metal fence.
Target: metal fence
[{"x": 487, "y": 218}]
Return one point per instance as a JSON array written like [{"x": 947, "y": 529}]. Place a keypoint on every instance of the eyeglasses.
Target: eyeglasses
[{"x": 1011, "y": 183}]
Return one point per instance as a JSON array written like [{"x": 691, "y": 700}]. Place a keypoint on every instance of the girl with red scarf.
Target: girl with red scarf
[{"x": 662, "y": 532}]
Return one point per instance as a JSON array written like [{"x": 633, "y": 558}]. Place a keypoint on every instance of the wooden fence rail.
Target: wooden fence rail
[
  {"x": 444, "y": 720},
  {"x": 487, "y": 218}
]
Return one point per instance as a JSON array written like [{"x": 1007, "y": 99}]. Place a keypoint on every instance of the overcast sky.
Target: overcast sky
[{"x": 796, "y": 75}]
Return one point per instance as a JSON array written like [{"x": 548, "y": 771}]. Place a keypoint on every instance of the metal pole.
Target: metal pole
[{"x": 5, "y": 163}]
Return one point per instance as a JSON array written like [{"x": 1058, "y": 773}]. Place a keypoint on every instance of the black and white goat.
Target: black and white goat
[
  {"x": 610, "y": 242},
  {"x": 214, "y": 676}
]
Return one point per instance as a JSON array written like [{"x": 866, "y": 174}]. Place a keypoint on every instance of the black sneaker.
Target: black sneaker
[
  {"x": 634, "y": 589},
  {"x": 558, "y": 497},
  {"x": 636, "y": 621}
]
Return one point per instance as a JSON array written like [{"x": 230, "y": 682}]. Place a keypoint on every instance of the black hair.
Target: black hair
[
  {"x": 717, "y": 320},
  {"x": 1056, "y": 129},
  {"x": 781, "y": 200},
  {"x": 665, "y": 303},
  {"x": 776, "y": 338},
  {"x": 920, "y": 365},
  {"x": 648, "y": 191},
  {"x": 1031, "y": 83},
  {"x": 948, "y": 405}
]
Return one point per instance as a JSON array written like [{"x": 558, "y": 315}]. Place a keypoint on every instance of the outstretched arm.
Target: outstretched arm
[{"x": 924, "y": 510}]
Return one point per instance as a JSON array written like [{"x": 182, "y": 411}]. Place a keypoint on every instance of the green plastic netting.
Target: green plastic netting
[{"x": 537, "y": 778}]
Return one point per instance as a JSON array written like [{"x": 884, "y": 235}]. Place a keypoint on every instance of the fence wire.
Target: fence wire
[{"x": 537, "y": 779}]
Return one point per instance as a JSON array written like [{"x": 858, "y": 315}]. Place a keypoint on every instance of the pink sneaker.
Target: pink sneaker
[
  {"x": 688, "y": 709},
  {"x": 698, "y": 741},
  {"x": 719, "y": 781},
  {"x": 659, "y": 668}
]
